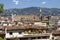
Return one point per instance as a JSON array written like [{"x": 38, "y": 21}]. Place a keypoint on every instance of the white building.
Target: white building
[
  {"x": 40, "y": 24},
  {"x": 19, "y": 32}
]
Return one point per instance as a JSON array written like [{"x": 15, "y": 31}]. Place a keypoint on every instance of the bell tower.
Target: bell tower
[{"x": 41, "y": 14}]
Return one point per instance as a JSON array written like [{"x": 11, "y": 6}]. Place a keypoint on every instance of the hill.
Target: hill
[{"x": 33, "y": 10}]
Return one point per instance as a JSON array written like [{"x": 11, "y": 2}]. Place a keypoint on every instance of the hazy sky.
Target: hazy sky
[{"x": 30, "y": 3}]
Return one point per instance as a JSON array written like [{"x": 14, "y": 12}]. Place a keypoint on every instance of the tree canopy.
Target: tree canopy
[
  {"x": 1, "y": 8},
  {"x": 1, "y": 38}
]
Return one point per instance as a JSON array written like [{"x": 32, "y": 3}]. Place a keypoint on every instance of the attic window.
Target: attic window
[
  {"x": 10, "y": 33},
  {"x": 19, "y": 32},
  {"x": 0, "y": 22}
]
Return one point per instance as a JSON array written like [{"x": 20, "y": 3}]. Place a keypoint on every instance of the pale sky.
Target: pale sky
[{"x": 30, "y": 3}]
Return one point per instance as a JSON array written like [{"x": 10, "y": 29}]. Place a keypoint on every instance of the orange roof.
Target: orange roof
[
  {"x": 56, "y": 32},
  {"x": 24, "y": 27}
]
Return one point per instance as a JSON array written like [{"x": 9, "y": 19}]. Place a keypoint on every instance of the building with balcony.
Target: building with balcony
[{"x": 27, "y": 32}]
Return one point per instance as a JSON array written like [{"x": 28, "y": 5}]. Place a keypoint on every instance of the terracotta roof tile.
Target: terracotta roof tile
[
  {"x": 24, "y": 27},
  {"x": 56, "y": 32}
]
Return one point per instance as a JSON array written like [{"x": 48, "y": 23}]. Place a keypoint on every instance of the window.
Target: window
[
  {"x": 45, "y": 37},
  {"x": 39, "y": 37},
  {"x": 0, "y": 28},
  {"x": 10, "y": 33},
  {"x": 19, "y": 32},
  {"x": 0, "y": 22},
  {"x": 34, "y": 17}
]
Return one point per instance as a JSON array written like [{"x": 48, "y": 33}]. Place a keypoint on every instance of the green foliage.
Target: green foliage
[
  {"x": 40, "y": 31},
  {"x": 14, "y": 38},
  {"x": 1, "y": 38},
  {"x": 1, "y": 8}
]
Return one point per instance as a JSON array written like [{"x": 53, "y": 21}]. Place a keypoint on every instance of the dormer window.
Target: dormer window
[
  {"x": 10, "y": 33},
  {"x": 19, "y": 32},
  {"x": 0, "y": 22}
]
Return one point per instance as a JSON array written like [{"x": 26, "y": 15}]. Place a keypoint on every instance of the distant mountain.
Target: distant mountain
[{"x": 33, "y": 10}]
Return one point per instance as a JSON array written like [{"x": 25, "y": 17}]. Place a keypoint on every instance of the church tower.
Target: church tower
[{"x": 41, "y": 14}]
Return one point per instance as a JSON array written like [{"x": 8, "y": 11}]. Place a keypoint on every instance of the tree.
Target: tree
[
  {"x": 1, "y": 8},
  {"x": 14, "y": 39},
  {"x": 1, "y": 38}
]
